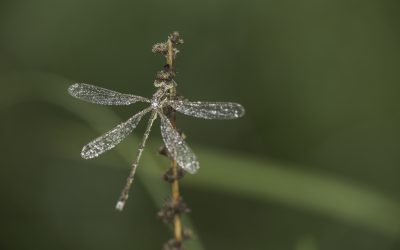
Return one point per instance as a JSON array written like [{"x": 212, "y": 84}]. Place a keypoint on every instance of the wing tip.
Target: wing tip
[
  {"x": 242, "y": 111},
  {"x": 88, "y": 153},
  {"x": 192, "y": 168},
  {"x": 72, "y": 88}
]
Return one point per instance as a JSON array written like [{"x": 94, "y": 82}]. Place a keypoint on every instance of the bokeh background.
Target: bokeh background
[{"x": 313, "y": 165}]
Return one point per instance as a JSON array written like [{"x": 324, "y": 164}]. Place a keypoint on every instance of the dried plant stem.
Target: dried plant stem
[
  {"x": 175, "y": 182},
  {"x": 170, "y": 53},
  {"x": 176, "y": 199}
]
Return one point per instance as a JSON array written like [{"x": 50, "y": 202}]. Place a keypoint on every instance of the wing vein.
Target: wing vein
[
  {"x": 113, "y": 137},
  {"x": 209, "y": 110},
  {"x": 177, "y": 147},
  {"x": 98, "y": 95}
]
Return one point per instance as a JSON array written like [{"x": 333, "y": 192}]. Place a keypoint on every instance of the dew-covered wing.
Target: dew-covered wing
[
  {"x": 209, "y": 110},
  {"x": 177, "y": 147},
  {"x": 110, "y": 139},
  {"x": 98, "y": 95}
]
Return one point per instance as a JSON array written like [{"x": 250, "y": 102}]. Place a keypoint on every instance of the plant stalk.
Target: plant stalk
[{"x": 175, "y": 183}]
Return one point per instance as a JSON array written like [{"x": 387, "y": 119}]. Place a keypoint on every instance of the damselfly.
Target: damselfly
[{"x": 161, "y": 100}]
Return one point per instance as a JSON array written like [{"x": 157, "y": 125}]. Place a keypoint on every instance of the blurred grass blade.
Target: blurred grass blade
[{"x": 239, "y": 175}]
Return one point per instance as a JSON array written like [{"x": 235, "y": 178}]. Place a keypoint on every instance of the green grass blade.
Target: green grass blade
[{"x": 241, "y": 175}]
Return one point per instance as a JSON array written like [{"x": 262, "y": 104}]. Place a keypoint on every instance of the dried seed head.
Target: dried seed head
[
  {"x": 175, "y": 37},
  {"x": 172, "y": 244},
  {"x": 160, "y": 48},
  {"x": 167, "y": 212},
  {"x": 163, "y": 151},
  {"x": 170, "y": 177},
  {"x": 164, "y": 78},
  {"x": 170, "y": 209}
]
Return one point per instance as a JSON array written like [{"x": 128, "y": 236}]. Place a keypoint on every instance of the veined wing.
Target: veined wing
[
  {"x": 209, "y": 110},
  {"x": 98, "y": 95},
  {"x": 110, "y": 139},
  {"x": 177, "y": 147}
]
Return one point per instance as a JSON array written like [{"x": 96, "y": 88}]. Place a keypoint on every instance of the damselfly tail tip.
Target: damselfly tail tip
[{"x": 120, "y": 206}]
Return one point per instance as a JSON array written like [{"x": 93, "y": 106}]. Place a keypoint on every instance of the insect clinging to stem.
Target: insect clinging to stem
[{"x": 163, "y": 98}]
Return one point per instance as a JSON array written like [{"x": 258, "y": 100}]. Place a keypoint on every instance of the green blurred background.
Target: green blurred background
[{"x": 313, "y": 165}]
